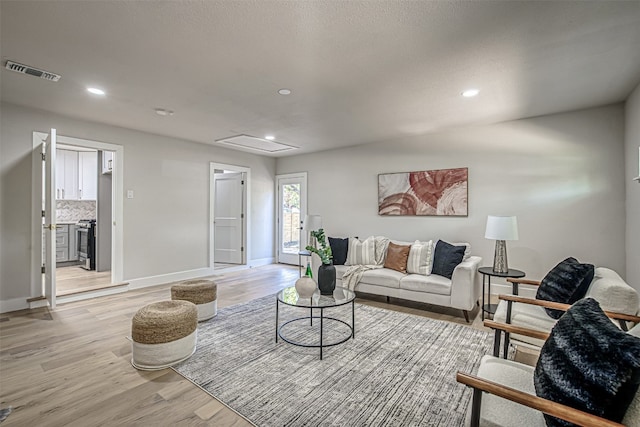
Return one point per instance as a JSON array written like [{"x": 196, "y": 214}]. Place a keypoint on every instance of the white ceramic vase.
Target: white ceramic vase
[{"x": 305, "y": 286}]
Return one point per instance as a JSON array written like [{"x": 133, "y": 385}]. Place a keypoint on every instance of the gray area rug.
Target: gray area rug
[{"x": 399, "y": 371}]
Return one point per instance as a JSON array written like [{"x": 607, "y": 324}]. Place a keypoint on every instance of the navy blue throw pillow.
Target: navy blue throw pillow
[
  {"x": 446, "y": 258},
  {"x": 567, "y": 283},
  {"x": 339, "y": 248},
  {"x": 589, "y": 364}
]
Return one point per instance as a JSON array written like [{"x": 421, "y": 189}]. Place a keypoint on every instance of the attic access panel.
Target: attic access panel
[{"x": 256, "y": 144}]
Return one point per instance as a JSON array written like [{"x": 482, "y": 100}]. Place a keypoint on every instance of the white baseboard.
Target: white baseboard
[
  {"x": 14, "y": 304},
  {"x": 144, "y": 282},
  {"x": 261, "y": 261}
]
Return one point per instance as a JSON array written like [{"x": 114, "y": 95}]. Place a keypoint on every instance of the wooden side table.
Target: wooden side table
[{"x": 487, "y": 274}]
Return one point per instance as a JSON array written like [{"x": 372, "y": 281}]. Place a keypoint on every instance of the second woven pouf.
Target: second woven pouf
[
  {"x": 163, "y": 333},
  {"x": 203, "y": 293}
]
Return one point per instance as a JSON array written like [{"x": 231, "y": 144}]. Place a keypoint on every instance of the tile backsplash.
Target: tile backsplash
[{"x": 75, "y": 210}]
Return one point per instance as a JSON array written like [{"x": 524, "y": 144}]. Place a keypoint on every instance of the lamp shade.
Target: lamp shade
[
  {"x": 502, "y": 228},
  {"x": 312, "y": 222}
]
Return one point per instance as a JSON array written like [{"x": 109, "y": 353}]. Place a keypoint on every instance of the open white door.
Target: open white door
[
  {"x": 50, "y": 219},
  {"x": 228, "y": 217},
  {"x": 292, "y": 207}
]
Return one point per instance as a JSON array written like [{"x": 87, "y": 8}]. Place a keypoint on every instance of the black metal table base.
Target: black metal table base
[{"x": 323, "y": 319}]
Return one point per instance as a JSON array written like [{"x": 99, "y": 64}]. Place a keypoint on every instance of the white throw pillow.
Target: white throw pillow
[
  {"x": 361, "y": 253},
  {"x": 420, "y": 258}
]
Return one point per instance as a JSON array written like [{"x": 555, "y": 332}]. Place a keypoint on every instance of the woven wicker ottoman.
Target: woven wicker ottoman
[
  {"x": 203, "y": 293},
  {"x": 164, "y": 333}
]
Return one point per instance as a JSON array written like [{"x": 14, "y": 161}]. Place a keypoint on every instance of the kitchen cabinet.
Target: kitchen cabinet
[
  {"x": 62, "y": 243},
  {"x": 88, "y": 175},
  {"x": 66, "y": 243},
  {"x": 76, "y": 175},
  {"x": 66, "y": 175},
  {"x": 107, "y": 162}
]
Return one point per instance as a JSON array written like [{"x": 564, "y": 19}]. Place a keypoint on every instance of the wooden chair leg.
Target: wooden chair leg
[{"x": 466, "y": 315}]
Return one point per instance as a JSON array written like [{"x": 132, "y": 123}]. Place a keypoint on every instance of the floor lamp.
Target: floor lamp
[{"x": 500, "y": 229}]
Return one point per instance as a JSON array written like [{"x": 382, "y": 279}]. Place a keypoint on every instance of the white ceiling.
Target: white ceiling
[{"x": 360, "y": 71}]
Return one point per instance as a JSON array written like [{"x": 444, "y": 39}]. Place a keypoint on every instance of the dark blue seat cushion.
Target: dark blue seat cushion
[{"x": 589, "y": 364}]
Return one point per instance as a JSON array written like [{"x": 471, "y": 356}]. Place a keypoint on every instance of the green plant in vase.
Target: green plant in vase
[
  {"x": 326, "y": 271},
  {"x": 325, "y": 250}
]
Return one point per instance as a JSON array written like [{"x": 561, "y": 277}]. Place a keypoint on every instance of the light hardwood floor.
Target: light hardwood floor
[
  {"x": 74, "y": 279},
  {"x": 71, "y": 366}
]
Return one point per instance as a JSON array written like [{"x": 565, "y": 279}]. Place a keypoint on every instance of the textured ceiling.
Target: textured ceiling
[{"x": 360, "y": 71}]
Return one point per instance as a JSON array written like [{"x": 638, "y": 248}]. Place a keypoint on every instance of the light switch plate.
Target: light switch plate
[{"x": 129, "y": 194}]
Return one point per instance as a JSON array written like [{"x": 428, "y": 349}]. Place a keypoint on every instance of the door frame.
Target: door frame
[
  {"x": 303, "y": 209},
  {"x": 117, "y": 243},
  {"x": 246, "y": 238}
]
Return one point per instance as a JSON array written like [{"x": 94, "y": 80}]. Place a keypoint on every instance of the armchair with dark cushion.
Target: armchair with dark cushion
[
  {"x": 598, "y": 388},
  {"x": 612, "y": 293}
]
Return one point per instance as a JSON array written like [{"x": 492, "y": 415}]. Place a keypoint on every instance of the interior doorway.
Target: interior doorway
[
  {"x": 229, "y": 215},
  {"x": 81, "y": 182}
]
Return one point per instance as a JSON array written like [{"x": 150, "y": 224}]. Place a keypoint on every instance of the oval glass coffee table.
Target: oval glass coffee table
[{"x": 340, "y": 297}]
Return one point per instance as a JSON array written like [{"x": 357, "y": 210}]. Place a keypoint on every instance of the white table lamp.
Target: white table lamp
[
  {"x": 500, "y": 229},
  {"x": 312, "y": 223}
]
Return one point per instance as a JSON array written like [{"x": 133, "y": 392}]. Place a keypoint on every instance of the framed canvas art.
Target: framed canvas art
[{"x": 441, "y": 192}]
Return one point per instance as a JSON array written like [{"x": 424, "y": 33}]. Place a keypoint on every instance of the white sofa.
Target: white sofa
[{"x": 462, "y": 291}]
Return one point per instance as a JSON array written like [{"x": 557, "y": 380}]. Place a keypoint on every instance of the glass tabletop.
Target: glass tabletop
[{"x": 340, "y": 296}]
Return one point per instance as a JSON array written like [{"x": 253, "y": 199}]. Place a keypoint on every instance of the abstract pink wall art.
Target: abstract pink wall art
[{"x": 440, "y": 192}]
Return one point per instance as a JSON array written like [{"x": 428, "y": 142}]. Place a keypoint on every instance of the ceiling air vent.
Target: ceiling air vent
[
  {"x": 256, "y": 144},
  {"x": 25, "y": 69}
]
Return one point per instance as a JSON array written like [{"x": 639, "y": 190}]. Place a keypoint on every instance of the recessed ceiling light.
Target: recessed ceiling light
[
  {"x": 284, "y": 91},
  {"x": 163, "y": 112},
  {"x": 270, "y": 137},
  {"x": 95, "y": 91},
  {"x": 470, "y": 93}
]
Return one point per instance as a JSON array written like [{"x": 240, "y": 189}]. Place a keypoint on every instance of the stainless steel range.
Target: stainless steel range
[{"x": 87, "y": 243}]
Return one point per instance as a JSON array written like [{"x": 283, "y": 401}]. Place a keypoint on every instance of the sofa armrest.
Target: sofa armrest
[{"x": 466, "y": 284}]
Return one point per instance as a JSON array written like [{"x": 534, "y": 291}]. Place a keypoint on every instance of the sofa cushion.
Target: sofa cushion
[
  {"x": 396, "y": 258},
  {"x": 567, "y": 282},
  {"x": 361, "y": 252},
  {"x": 589, "y": 364},
  {"x": 340, "y": 270},
  {"x": 446, "y": 257},
  {"x": 382, "y": 277},
  {"x": 432, "y": 284},
  {"x": 339, "y": 249},
  {"x": 419, "y": 261}
]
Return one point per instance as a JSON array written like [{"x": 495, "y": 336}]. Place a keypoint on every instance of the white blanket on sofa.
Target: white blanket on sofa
[{"x": 354, "y": 273}]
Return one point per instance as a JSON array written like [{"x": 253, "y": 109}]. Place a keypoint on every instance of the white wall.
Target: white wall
[
  {"x": 562, "y": 175},
  {"x": 632, "y": 142},
  {"x": 165, "y": 225}
]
